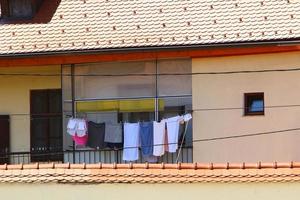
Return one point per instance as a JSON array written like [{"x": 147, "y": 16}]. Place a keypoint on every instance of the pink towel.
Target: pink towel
[{"x": 80, "y": 140}]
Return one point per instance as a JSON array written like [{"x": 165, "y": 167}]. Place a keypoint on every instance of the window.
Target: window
[
  {"x": 19, "y": 9},
  {"x": 254, "y": 104},
  {"x": 131, "y": 91}
]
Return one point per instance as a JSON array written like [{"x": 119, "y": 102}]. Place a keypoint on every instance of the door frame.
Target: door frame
[
  {"x": 6, "y": 155},
  {"x": 31, "y": 131}
]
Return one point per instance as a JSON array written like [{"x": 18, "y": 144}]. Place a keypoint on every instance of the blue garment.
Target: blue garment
[{"x": 146, "y": 134}]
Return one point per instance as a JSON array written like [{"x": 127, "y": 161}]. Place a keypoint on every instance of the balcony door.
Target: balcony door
[
  {"x": 46, "y": 125},
  {"x": 4, "y": 139}
]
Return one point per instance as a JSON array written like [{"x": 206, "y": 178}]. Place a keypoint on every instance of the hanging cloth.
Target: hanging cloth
[
  {"x": 113, "y": 133},
  {"x": 96, "y": 135},
  {"x": 82, "y": 141},
  {"x": 186, "y": 118},
  {"x": 81, "y": 129},
  {"x": 159, "y": 138},
  {"x": 131, "y": 141},
  {"x": 71, "y": 127},
  {"x": 173, "y": 132},
  {"x": 146, "y": 134}
]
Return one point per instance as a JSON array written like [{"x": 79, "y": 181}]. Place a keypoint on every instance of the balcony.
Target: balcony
[{"x": 87, "y": 156}]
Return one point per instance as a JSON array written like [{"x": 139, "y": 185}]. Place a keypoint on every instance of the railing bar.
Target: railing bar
[
  {"x": 187, "y": 155},
  {"x": 89, "y": 156},
  {"x": 110, "y": 156},
  {"x": 94, "y": 157}
]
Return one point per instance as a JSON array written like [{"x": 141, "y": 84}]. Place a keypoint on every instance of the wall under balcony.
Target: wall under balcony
[{"x": 213, "y": 191}]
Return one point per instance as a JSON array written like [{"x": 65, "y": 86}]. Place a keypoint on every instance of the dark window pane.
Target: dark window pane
[
  {"x": 20, "y": 8},
  {"x": 55, "y": 101},
  {"x": 257, "y": 106},
  {"x": 39, "y": 102}
]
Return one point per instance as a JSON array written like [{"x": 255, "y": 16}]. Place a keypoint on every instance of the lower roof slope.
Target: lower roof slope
[{"x": 150, "y": 173}]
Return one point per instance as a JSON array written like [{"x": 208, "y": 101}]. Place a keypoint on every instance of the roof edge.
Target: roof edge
[
  {"x": 150, "y": 173},
  {"x": 291, "y": 42},
  {"x": 161, "y": 166}
]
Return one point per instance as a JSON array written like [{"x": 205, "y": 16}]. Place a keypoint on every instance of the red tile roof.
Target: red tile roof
[
  {"x": 117, "y": 24},
  {"x": 150, "y": 173}
]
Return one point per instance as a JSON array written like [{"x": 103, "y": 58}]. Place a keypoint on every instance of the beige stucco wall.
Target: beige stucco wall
[
  {"x": 226, "y": 91},
  {"x": 225, "y": 191},
  {"x": 15, "y": 99}
]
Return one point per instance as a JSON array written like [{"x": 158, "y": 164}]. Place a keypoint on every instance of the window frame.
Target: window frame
[
  {"x": 248, "y": 98},
  {"x": 6, "y": 12}
]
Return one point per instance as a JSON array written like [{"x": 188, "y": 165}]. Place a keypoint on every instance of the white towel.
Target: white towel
[
  {"x": 131, "y": 141},
  {"x": 159, "y": 138},
  {"x": 173, "y": 132}
]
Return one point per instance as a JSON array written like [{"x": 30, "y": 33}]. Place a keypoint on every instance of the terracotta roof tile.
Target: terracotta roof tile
[
  {"x": 94, "y": 24},
  {"x": 150, "y": 173}
]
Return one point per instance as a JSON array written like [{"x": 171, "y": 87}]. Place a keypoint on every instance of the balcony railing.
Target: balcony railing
[{"x": 87, "y": 156}]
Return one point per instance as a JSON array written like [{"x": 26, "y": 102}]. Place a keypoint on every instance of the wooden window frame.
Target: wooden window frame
[
  {"x": 6, "y": 13},
  {"x": 4, "y": 8},
  {"x": 248, "y": 97}
]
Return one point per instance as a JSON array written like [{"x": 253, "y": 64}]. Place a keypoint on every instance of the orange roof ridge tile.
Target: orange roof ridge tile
[
  {"x": 47, "y": 166},
  {"x": 150, "y": 173},
  {"x": 178, "y": 166}
]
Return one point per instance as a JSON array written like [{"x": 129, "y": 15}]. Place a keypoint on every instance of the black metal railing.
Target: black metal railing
[{"x": 88, "y": 156}]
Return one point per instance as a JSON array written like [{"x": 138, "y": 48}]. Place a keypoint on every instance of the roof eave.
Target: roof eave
[{"x": 247, "y": 44}]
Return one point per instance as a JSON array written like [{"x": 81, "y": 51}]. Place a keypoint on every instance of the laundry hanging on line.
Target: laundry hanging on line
[
  {"x": 153, "y": 138},
  {"x": 164, "y": 137}
]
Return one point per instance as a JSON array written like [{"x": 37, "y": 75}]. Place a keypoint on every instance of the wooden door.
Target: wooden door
[
  {"x": 4, "y": 139},
  {"x": 46, "y": 125}
]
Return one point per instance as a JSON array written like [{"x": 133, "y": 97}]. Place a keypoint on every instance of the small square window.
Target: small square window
[{"x": 254, "y": 104}]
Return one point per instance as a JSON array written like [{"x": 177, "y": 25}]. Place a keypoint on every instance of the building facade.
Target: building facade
[
  {"x": 234, "y": 66},
  {"x": 217, "y": 113}
]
